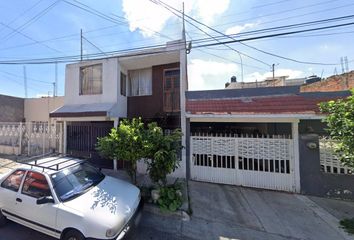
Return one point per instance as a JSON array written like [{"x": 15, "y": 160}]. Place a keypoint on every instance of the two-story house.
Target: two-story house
[{"x": 98, "y": 93}]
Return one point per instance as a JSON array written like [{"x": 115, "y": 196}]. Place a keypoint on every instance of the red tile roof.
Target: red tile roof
[{"x": 286, "y": 104}]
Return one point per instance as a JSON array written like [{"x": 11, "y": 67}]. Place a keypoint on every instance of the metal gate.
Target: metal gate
[
  {"x": 262, "y": 162},
  {"x": 82, "y": 140}
]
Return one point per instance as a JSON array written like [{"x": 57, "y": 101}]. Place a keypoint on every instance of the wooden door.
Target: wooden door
[{"x": 171, "y": 100}]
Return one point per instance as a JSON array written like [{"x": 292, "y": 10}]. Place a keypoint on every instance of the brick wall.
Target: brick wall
[
  {"x": 334, "y": 83},
  {"x": 11, "y": 109}
]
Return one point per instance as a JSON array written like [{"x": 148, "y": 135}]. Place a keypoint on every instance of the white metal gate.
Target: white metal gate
[{"x": 262, "y": 162}]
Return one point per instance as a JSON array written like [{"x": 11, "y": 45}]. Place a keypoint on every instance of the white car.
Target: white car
[{"x": 69, "y": 199}]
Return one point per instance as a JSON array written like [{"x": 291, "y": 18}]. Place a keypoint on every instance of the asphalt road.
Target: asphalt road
[{"x": 145, "y": 230}]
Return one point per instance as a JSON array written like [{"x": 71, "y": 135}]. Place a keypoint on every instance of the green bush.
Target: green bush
[{"x": 171, "y": 198}]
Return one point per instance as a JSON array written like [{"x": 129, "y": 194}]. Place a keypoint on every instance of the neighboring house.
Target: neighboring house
[
  {"x": 38, "y": 109},
  {"x": 258, "y": 137},
  {"x": 279, "y": 81},
  {"x": 25, "y": 127},
  {"x": 334, "y": 83},
  {"x": 99, "y": 93},
  {"x": 11, "y": 109}
]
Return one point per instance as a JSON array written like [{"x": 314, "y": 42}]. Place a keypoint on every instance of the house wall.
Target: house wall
[
  {"x": 38, "y": 109},
  {"x": 341, "y": 82},
  {"x": 110, "y": 85},
  {"x": 150, "y": 107},
  {"x": 315, "y": 182},
  {"x": 11, "y": 109}
]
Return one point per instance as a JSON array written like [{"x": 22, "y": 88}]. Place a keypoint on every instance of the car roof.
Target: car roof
[{"x": 50, "y": 165}]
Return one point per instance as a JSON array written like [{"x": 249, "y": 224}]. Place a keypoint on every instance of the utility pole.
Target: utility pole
[
  {"x": 54, "y": 85},
  {"x": 81, "y": 51},
  {"x": 273, "y": 70},
  {"x": 25, "y": 80},
  {"x": 55, "y": 92}
]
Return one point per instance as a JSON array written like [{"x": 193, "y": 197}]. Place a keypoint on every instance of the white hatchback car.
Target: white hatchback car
[{"x": 69, "y": 199}]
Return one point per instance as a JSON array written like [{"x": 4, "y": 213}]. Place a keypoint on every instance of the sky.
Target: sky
[{"x": 32, "y": 29}]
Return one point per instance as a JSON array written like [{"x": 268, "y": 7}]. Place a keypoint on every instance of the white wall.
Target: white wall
[
  {"x": 110, "y": 85},
  {"x": 38, "y": 109}
]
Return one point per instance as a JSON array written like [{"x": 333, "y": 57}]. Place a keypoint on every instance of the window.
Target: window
[
  {"x": 13, "y": 181},
  {"x": 123, "y": 84},
  {"x": 91, "y": 80},
  {"x": 140, "y": 82},
  {"x": 36, "y": 185}
]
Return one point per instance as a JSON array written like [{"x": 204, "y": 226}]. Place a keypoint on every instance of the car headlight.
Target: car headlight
[{"x": 111, "y": 232}]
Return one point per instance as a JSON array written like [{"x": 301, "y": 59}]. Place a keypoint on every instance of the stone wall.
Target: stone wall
[
  {"x": 11, "y": 109},
  {"x": 334, "y": 83}
]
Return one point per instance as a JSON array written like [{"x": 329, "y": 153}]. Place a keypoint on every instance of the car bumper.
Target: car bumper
[
  {"x": 130, "y": 226},
  {"x": 133, "y": 222}
]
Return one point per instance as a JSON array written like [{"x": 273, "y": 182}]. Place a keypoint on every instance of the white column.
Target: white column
[
  {"x": 295, "y": 135},
  {"x": 183, "y": 89},
  {"x": 115, "y": 162}
]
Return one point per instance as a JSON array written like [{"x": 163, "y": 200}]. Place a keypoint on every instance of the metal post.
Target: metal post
[
  {"x": 43, "y": 138},
  {"x": 81, "y": 50},
  {"x": 20, "y": 140},
  {"x": 29, "y": 129},
  {"x": 65, "y": 136}
]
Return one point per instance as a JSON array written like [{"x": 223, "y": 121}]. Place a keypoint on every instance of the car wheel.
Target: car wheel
[
  {"x": 3, "y": 219},
  {"x": 73, "y": 235}
]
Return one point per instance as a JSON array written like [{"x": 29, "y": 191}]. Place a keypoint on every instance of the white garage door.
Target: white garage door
[{"x": 265, "y": 162}]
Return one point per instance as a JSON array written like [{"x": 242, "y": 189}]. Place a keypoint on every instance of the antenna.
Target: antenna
[
  {"x": 342, "y": 64},
  {"x": 25, "y": 80},
  {"x": 346, "y": 64}
]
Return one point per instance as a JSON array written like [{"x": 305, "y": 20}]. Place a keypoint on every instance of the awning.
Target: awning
[{"x": 86, "y": 110}]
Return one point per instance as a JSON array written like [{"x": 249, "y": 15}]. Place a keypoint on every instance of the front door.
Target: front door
[{"x": 171, "y": 100}]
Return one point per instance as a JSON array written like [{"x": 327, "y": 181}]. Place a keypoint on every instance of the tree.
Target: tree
[
  {"x": 340, "y": 123},
  {"x": 131, "y": 141},
  {"x": 162, "y": 152},
  {"x": 126, "y": 142}
]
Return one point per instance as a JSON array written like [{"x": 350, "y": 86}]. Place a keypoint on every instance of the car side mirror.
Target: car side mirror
[{"x": 44, "y": 200}]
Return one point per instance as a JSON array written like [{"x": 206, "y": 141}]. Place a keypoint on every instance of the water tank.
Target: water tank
[{"x": 312, "y": 79}]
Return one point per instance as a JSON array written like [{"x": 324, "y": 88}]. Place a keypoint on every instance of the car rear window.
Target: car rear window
[{"x": 13, "y": 181}]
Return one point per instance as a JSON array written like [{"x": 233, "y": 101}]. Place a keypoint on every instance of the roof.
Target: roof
[
  {"x": 84, "y": 110},
  {"x": 277, "y": 100}
]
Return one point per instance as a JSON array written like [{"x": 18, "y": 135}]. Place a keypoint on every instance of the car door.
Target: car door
[
  {"x": 41, "y": 217},
  {"x": 8, "y": 192}
]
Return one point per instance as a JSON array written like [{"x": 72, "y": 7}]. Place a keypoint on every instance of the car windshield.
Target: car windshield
[{"x": 72, "y": 182}]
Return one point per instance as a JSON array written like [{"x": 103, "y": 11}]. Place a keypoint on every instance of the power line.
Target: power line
[
  {"x": 30, "y": 38},
  {"x": 258, "y": 60},
  {"x": 30, "y": 21},
  {"x": 22, "y": 13},
  {"x": 94, "y": 45},
  {"x": 128, "y": 51},
  {"x": 265, "y": 52}
]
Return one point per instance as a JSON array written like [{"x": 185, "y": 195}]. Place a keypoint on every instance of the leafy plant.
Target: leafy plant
[
  {"x": 340, "y": 122},
  {"x": 131, "y": 141},
  {"x": 162, "y": 152},
  {"x": 126, "y": 142},
  {"x": 170, "y": 198},
  {"x": 347, "y": 225}
]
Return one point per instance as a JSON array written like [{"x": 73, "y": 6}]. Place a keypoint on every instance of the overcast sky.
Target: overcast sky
[{"x": 26, "y": 25}]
